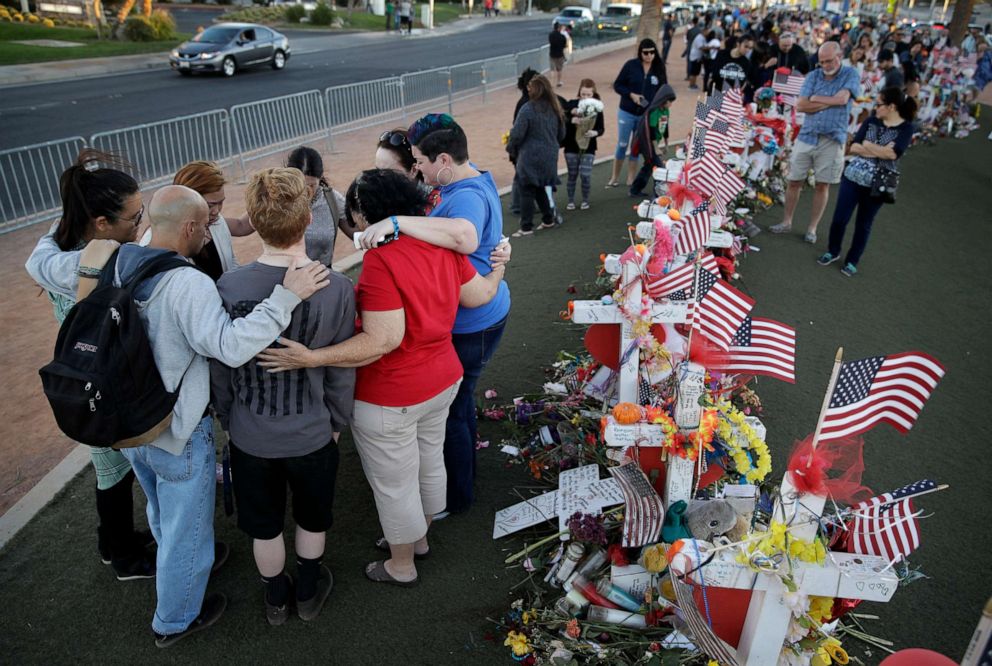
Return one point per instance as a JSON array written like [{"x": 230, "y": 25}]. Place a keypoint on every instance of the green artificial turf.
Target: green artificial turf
[
  {"x": 91, "y": 47},
  {"x": 921, "y": 286}
]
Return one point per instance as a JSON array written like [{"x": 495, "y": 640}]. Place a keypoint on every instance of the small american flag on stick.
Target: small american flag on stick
[
  {"x": 790, "y": 84},
  {"x": 892, "y": 389},
  {"x": 679, "y": 278},
  {"x": 645, "y": 512},
  {"x": 886, "y": 525},
  {"x": 705, "y": 173},
  {"x": 694, "y": 231},
  {"x": 717, "y": 310},
  {"x": 764, "y": 347}
]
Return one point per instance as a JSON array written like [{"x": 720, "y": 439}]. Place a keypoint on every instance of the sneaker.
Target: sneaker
[
  {"x": 780, "y": 228},
  {"x": 310, "y": 609},
  {"x": 143, "y": 540},
  {"x": 849, "y": 270},
  {"x": 277, "y": 615},
  {"x": 826, "y": 259},
  {"x": 810, "y": 237},
  {"x": 440, "y": 515},
  {"x": 521, "y": 233},
  {"x": 211, "y": 610},
  {"x": 136, "y": 567},
  {"x": 584, "y": 205},
  {"x": 570, "y": 206}
]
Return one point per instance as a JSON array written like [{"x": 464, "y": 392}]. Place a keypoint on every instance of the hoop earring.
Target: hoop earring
[{"x": 450, "y": 180}]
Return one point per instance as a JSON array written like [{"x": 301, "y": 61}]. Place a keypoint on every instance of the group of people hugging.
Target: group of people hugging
[{"x": 285, "y": 353}]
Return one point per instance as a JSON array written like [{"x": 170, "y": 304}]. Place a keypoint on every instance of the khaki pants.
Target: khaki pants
[{"x": 402, "y": 452}]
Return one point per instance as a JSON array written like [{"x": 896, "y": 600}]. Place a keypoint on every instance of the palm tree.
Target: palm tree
[
  {"x": 649, "y": 24},
  {"x": 959, "y": 20}
]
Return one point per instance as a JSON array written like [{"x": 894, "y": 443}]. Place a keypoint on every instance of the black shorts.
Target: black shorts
[
  {"x": 695, "y": 66},
  {"x": 260, "y": 490}
]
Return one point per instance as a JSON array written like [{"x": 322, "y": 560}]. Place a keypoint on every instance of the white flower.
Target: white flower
[
  {"x": 590, "y": 107},
  {"x": 797, "y": 602}
]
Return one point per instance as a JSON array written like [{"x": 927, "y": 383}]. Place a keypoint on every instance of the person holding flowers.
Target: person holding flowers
[{"x": 584, "y": 122}]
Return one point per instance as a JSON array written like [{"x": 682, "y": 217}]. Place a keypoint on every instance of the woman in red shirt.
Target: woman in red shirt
[{"x": 408, "y": 372}]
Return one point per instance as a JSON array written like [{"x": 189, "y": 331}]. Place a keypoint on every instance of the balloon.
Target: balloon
[{"x": 917, "y": 657}]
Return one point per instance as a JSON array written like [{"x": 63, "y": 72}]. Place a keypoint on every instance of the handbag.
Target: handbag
[{"x": 884, "y": 183}]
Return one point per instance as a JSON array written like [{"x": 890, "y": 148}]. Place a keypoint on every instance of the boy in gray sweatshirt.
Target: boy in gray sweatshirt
[
  {"x": 187, "y": 324},
  {"x": 284, "y": 426}
]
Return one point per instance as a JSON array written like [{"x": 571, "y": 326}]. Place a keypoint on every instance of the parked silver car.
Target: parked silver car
[{"x": 228, "y": 47}]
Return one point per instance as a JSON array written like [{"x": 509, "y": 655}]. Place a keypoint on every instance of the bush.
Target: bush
[
  {"x": 294, "y": 13},
  {"x": 163, "y": 24},
  {"x": 138, "y": 29},
  {"x": 322, "y": 14}
]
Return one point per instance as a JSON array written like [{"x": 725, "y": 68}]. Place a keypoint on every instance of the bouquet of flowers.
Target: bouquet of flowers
[{"x": 585, "y": 120}]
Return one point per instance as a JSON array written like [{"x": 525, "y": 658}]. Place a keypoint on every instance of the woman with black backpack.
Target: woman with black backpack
[
  {"x": 98, "y": 204},
  {"x": 871, "y": 177}
]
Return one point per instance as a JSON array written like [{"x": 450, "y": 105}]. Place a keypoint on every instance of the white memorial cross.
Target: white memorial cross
[{"x": 845, "y": 575}]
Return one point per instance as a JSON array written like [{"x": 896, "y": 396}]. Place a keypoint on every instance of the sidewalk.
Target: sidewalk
[{"x": 85, "y": 68}]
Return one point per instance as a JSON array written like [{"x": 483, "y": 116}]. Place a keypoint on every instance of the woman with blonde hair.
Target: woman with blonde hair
[{"x": 533, "y": 145}]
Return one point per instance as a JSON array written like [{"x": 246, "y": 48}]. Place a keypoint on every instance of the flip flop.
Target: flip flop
[
  {"x": 613, "y": 183},
  {"x": 376, "y": 572},
  {"x": 383, "y": 545}
]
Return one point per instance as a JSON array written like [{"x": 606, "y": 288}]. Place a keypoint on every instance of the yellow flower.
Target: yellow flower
[
  {"x": 820, "y": 608},
  {"x": 836, "y": 652},
  {"x": 528, "y": 616},
  {"x": 518, "y": 643}
]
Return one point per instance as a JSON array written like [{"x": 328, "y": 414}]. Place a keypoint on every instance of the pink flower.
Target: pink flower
[{"x": 490, "y": 394}]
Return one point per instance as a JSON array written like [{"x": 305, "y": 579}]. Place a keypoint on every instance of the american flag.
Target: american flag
[
  {"x": 705, "y": 173},
  {"x": 716, "y": 138},
  {"x": 729, "y": 187},
  {"x": 788, "y": 84},
  {"x": 694, "y": 231},
  {"x": 892, "y": 389},
  {"x": 703, "y": 636},
  {"x": 885, "y": 526},
  {"x": 680, "y": 278},
  {"x": 698, "y": 143},
  {"x": 644, "y": 513},
  {"x": 715, "y": 101},
  {"x": 718, "y": 309},
  {"x": 733, "y": 103},
  {"x": 702, "y": 112},
  {"x": 764, "y": 347}
]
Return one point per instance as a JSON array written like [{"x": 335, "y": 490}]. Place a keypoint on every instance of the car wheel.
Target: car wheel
[
  {"x": 278, "y": 60},
  {"x": 229, "y": 67}
]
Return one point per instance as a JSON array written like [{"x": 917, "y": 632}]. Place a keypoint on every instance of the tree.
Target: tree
[
  {"x": 959, "y": 20},
  {"x": 649, "y": 24},
  {"x": 146, "y": 8},
  {"x": 124, "y": 11}
]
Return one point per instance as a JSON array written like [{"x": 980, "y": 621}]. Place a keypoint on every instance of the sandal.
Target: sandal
[
  {"x": 376, "y": 572},
  {"x": 545, "y": 225},
  {"x": 613, "y": 183},
  {"x": 383, "y": 545},
  {"x": 520, "y": 233}
]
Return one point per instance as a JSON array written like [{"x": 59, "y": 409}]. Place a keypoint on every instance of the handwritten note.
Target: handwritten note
[
  {"x": 595, "y": 312},
  {"x": 719, "y": 238},
  {"x": 632, "y": 579},
  {"x": 678, "y": 480},
  {"x": 687, "y": 408},
  {"x": 638, "y": 434},
  {"x": 525, "y": 514}
]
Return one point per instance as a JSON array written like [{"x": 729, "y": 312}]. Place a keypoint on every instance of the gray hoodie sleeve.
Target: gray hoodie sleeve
[
  {"x": 54, "y": 269},
  {"x": 193, "y": 299}
]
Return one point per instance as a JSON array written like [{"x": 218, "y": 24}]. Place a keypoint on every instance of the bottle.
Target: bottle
[
  {"x": 573, "y": 555},
  {"x": 614, "y": 616},
  {"x": 592, "y": 564},
  {"x": 617, "y": 596},
  {"x": 980, "y": 648}
]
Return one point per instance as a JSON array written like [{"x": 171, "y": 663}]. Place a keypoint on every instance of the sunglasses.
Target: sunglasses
[
  {"x": 648, "y": 52},
  {"x": 136, "y": 219},
  {"x": 393, "y": 138}
]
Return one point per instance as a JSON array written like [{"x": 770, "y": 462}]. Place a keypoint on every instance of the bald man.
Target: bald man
[
  {"x": 187, "y": 324},
  {"x": 825, "y": 98}
]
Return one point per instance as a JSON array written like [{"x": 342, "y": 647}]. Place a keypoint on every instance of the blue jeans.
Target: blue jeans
[
  {"x": 180, "y": 491},
  {"x": 625, "y": 127},
  {"x": 850, "y": 195},
  {"x": 474, "y": 351}
]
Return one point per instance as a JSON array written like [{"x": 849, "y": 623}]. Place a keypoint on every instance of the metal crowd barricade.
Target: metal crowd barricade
[
  {"x": 29, "y": 181},
  {"x": 271, "y": 125},
  {"x": 159, "y": 149},
  {"x": 357, "y": 105},
  {"x": 535, "y": 59},
  {"x": 424, "y": 89}
]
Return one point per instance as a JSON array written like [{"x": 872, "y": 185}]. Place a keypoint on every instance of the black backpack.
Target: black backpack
[{"x": 103, "y": 384}]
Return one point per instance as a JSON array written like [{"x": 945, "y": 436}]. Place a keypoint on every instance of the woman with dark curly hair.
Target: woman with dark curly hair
[{"x": 409, "y": 292}]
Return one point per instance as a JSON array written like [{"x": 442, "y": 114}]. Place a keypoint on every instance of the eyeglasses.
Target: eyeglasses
[
  {"x": 136, "y": 219},
  {"x": 393, "y": 138},
  {"x": 648, "y": 52}
]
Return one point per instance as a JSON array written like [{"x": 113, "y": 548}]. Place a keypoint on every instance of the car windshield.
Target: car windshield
[
  {"x": 618, "y": 11},
  {"x": 575, "y": 13},
  {"x": 216, "y": 35}
]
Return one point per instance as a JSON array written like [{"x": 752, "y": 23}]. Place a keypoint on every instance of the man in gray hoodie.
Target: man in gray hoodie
[{"x": 187, "y": 325}]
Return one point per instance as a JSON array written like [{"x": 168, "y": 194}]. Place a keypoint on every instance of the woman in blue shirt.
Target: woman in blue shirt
[
  {"x": 878, "y": 144},
  {"x": 637, "y": 83}
]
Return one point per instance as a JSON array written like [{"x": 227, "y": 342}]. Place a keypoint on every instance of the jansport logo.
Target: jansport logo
[{"x": 85, "y": 347}]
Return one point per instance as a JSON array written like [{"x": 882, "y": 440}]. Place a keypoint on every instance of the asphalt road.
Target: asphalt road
[{"x": 36, "y": 113}]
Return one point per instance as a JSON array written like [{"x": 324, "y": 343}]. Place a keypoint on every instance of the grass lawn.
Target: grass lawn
[
  {"x": 359, "y": 20},
  {"x": 443, "y": 13},
  {"x": 19, "y": 54}
]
